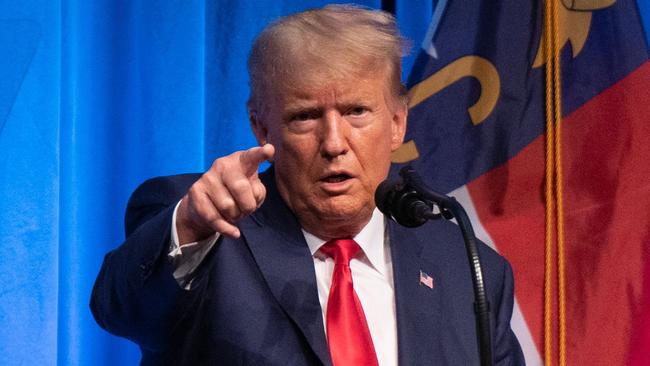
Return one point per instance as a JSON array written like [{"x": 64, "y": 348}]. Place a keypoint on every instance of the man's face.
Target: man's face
[{"x": 333, "y": 144}]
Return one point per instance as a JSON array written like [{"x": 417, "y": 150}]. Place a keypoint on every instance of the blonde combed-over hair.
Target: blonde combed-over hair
[{"x": 337, "y": 42}]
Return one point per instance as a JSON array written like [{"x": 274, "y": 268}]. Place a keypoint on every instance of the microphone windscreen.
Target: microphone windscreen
[
  {"x": 401, "y": 203},
  {"x": 384, "y": 195}
]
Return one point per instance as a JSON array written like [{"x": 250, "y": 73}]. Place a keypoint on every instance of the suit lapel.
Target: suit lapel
[
  {"x": 422, "y": 333},
  {"x": 274, "y": 237}
]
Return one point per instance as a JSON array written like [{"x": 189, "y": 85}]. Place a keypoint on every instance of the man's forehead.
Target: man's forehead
[{"x": 340, "y": 90}]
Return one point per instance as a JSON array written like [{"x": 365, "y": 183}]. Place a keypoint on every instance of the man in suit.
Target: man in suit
[{"x": 296, "y": 266}]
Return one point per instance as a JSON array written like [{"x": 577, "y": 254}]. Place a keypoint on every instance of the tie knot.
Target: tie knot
[{"x": 342, "y": 250}]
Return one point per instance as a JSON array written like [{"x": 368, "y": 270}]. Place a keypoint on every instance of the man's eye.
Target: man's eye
[
  {"x": 357, "y": 111},
  {"x": 303, "y": 116}
]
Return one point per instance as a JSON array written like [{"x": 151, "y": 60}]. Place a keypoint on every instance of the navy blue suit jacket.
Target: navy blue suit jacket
[{"x": 254, "y": 299}]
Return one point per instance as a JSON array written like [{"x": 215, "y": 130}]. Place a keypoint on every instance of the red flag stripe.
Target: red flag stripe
[{"x": 607, "y": 203}]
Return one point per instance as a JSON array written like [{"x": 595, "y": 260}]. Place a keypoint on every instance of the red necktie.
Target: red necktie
[{"x": 348, "y": 336}]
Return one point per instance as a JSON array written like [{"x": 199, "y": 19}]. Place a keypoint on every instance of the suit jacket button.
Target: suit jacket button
[{"x": 145, "y": 268}]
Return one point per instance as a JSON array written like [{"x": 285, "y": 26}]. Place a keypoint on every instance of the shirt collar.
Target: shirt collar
[{"x": 370, "y": 239}]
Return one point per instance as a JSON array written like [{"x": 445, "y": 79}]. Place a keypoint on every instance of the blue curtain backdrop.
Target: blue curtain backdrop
[{"x": 95, "y": 97}]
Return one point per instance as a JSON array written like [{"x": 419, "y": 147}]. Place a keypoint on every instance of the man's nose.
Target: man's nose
[{"x": 334, "y": 135}]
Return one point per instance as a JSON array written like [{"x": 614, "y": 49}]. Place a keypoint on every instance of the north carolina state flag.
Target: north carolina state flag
[{"x": 476, "y": 129}]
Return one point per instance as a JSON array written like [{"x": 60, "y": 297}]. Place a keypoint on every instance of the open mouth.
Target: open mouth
[{"x": 336, "y": 178}]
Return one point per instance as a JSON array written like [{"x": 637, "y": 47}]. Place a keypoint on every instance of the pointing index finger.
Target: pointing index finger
[{"x": 253, "y": 157}]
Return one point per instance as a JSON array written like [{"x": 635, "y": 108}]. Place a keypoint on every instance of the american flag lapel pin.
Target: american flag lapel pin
[{"x": 426, "y": 280}]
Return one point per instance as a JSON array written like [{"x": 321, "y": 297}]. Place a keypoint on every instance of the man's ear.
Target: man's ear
[
  {"x": 258, "y": 127},
  {"x": 398, "y": 127}
]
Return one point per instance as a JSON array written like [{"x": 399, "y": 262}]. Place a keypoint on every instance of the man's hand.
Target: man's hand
[{"x": 228, "y": 191}]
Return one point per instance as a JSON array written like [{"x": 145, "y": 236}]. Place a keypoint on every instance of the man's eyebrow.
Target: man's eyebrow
[
  {"x": 353, "y": 103},
  {"x": 290, "y": 113},
  {"x": 300, "y": 106}
]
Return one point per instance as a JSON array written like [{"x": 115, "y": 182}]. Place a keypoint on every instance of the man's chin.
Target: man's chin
[
  {"x": 335, "y": 217},
  {"x": 344, "y": 208}
]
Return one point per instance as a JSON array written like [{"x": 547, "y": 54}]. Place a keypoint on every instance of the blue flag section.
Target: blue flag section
[
  {"x": 97, "y": 96},
  {"x": 481, "y": 99},
  {"x": 476, "y": 129}
]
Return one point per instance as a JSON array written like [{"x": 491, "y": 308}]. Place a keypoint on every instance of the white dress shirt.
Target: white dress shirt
[{"x": 372, "y": 277}]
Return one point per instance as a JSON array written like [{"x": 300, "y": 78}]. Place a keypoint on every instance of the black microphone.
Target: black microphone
[{"x": 403, "y": 203}]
